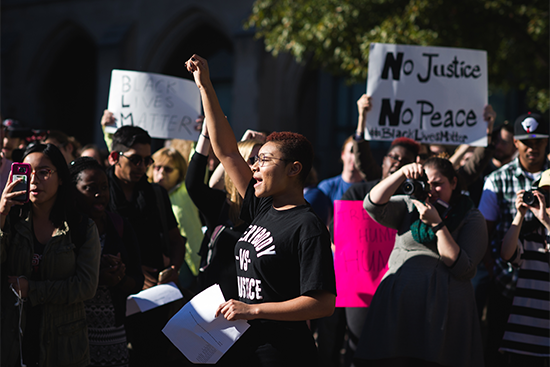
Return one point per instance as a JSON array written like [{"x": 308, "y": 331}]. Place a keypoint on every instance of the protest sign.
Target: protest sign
[
  {"x": 362, "y": 250},
  {"x": 433, "y": 95},
  {"x": 165, "y": 106}
]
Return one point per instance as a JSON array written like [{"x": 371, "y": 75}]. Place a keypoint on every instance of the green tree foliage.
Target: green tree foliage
[{"x": 336, "y": 34}]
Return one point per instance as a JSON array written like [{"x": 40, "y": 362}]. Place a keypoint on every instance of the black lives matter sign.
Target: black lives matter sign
[
  {"x": 165, "y": 106},
  {"x": 433, "y": 95}
]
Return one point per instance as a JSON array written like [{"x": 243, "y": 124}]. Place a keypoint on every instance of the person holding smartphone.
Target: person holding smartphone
[{"x": 50, "y": 257}]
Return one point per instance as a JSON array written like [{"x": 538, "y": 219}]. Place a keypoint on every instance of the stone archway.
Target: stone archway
[
  {"x": 65, "y": 82},
  {"x": 195, "y": 32}
]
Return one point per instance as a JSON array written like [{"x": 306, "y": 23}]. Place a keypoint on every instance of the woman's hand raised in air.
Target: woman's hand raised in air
[{"x": 198, "y": 66}]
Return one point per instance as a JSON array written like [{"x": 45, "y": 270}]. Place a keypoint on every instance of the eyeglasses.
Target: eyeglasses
[
  {"x": 166, "y": 169},
  {"x": 400, "y": 160},
  {"x": 138, "y": 160},
  {"x": 261, "y": 159},
  {"x": 43, "y": 174}
]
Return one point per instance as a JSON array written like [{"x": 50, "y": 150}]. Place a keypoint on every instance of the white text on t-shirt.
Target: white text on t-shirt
[
  {"x": 260, "y": 238},
  {"x": 249, "y": 288}
]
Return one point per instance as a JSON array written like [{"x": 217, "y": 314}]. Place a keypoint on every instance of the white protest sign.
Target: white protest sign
[
  {"x": 433, "y": 95},
  {"x": 165, "y": 106}
]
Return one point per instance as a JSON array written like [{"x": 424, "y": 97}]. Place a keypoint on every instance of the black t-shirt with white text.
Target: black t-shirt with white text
[{"x": 282, "y": 254}]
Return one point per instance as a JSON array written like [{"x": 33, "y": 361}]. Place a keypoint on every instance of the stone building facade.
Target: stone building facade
[{"x": 57, "y": 57}]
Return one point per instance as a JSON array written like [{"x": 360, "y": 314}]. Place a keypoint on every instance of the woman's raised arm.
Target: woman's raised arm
[{"x": 220, "y": 133}]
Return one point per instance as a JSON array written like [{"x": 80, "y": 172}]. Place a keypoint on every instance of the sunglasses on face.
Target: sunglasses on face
[
  {"x": 138, "y": 160},
  {"x": 397, "y": 159}
]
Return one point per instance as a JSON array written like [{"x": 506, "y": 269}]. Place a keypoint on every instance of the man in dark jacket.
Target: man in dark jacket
[{"x": 147, "y": 207}]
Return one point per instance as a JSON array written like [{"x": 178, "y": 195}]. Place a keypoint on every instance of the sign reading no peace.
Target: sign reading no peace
[
  {"x": 433, "y": 95},
  {"x": 165, "y": 106}
]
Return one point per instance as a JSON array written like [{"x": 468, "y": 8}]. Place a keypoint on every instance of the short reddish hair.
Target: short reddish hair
[
  {"x": 294, "y": 147},
  {"x": 409, "y": 144}
]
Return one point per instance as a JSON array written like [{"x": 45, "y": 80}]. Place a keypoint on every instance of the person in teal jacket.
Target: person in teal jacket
[{"x": 50, "y": 265}]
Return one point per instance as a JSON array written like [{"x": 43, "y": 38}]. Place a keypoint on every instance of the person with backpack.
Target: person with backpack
[{"x": 50, "y": 257}]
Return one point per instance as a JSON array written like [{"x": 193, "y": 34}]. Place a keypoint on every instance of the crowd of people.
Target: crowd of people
[{"x": 468, "y": 280}]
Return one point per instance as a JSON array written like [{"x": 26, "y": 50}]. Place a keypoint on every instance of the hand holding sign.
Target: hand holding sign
[{"x": 108, "y": 119}]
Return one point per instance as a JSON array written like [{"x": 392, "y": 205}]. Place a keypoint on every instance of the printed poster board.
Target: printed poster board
[
  {"x": 165, "y": 106},
  {"x": 433, "y": 95},
  {"x": 362, "y": 250}
]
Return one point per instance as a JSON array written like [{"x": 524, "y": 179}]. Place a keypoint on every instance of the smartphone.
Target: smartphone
[{"x": 21, "y": 171}]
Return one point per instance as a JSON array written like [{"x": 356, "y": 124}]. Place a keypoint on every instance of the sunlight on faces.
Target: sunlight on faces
[
  {"x": 504, "y": 145},
  {"x": 271, "y": 177},
  {"x": 396, "y": 158},
  {"x": 128, "y": 171},
  {"x": 441, "y": 187},
  {"x": 42, "y": 191},
  {"x": 161, "y": 175},
  {"x": 531, "y": 151},
  {"x": 255, "y": 151},
  {"x": 348, "y": 158}
]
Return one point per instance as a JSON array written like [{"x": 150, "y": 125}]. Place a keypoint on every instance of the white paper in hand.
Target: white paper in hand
[
  {"x": 200, "y": 336},
  {"x": 151, "y": 298}
]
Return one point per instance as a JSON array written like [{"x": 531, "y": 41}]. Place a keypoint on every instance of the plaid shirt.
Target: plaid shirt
[{"x": 506, "y": 182}]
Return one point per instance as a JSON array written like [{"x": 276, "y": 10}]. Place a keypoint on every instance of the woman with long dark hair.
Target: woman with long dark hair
[
  {"x": 424, "y": 311},
  {"x": 50, "y": 255}
]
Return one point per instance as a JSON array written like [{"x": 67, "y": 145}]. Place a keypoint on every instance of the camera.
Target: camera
[
  {"x": 530, "y": 199},
  {"x": 418, "y": 189},
  {"x": 21, "y": 169}
]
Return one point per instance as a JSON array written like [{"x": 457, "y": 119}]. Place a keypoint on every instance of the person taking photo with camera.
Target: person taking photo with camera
[
  {"x": 424, "y": 309},
  {"x": 526, "y": 340}
]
